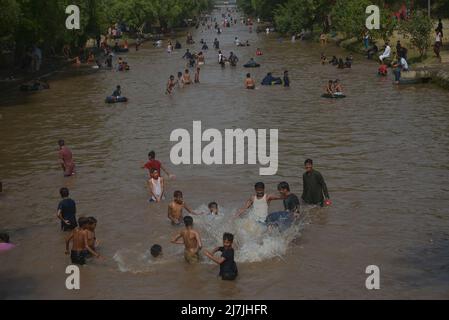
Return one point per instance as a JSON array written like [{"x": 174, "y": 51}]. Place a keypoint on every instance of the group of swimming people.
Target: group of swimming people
[
  {"x": 314, "y": 193},
  {"x": 338, "y": 61}
]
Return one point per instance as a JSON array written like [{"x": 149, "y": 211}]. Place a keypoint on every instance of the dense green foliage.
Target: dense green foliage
[
  {"x": 27, "y": 22},
  {"x": 418, "y": 29}
]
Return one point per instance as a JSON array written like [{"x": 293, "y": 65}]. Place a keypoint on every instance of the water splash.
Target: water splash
[{"x": 253, "y": 241}]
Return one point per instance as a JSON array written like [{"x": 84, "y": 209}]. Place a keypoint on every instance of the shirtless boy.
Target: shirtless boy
[
  {"x": 175, "y": 208},
  {"x": 191, "y": 240},
  {"x": 80, "y": 246}
]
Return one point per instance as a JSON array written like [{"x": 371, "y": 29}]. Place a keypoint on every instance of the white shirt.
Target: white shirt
[
  {"x": 387, "y": 51},
  {"x": 260, "y": 208},
  {"x": 438, "y": 37},
  {"x": 404, "y": 64}
]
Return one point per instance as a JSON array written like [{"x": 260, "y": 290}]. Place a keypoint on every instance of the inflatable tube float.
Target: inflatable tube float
[
  {"x": 333, "y": 96},
  {"x": 251, "y": 65},
  {"x": 6, "y": 246},
  {"x": 112, "y": 99}
]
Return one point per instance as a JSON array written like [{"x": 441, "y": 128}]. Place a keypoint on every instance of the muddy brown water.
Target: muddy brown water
[{"x": 383, "y": 151}]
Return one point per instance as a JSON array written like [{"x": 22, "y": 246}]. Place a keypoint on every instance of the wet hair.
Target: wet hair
[
  {"x": 151, "y": 154},
  {"x": 259, "y": 185},
  {"x": 186, "y": 70},
  {"x": 82, "y": 221},
  {"x": 212, "y": 204},
  {"x": 91, "y": 220},
  {"x": 177, "y": 194},
  {"x": 4, "y": 237},
  {"x": 283, "y": 185},
  {"x": 64, "y": 192},
  {"x": 156, "y": 250},
  {"x": 153, "y": 170},
  {"x": 248, "y": 75},
  {"x": 188, "y": 221},
  {"x": 61, "y": 142},
  {"x": 228, "y": 236},
  {"x": 308, "y": 161},
  {"x": 172, "y": 76},
  {"x": 179, "y": 74}
]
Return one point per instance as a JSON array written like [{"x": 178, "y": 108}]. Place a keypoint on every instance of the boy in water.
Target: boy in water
[
  {"x": 330, "y": 87},
  {"x": 228, "y": 267},
  {"x": 213, "y": 208},
  {"x": 191, "y": 240},
  {"x": 170, "y": 85},
  {"x": 156, "y": 250},
  {"x": 338, "y": 89},
  {"x": 80, "y": 246},
  {"x": 66, "y": 159},
  {"x": 91, "y": 238},
  {"x": 175, "y": 208},
  {"x": 259, "y": 202},
  {"x": 186, "y": 77},
  {"x": 197, "y": 75},
  {"x": 156, "y": 186},
  {"x": 283, "y": 219},
  {"x": 66, "y": 211},
  {"x": 152, "y": 163},
  {"x": 179, "y": 80},
  {"x": 249, "y": 82}
]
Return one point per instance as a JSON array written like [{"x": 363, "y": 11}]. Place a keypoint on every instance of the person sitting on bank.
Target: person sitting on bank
[
  {"x": 387, "y": 52},
  {"x": 314, "y": 187}
]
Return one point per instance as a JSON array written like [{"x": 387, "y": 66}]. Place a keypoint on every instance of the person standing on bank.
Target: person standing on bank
[{"x": 314, "y": 187}]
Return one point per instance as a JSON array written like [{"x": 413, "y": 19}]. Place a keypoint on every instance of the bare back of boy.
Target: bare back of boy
[{"x": 192, "y": 245}]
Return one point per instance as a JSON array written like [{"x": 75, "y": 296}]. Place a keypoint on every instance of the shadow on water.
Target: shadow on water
[
  {"x": 430, "y": 262},
  {"x": 14, "y": 287}
]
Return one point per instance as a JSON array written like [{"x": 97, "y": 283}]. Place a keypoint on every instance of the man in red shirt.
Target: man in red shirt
[
  {"x": 155, "y": 164},
  {"x": 66, "y": 159}
]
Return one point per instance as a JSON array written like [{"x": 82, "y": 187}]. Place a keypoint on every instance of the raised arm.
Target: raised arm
[
  {"x": 218, "y": 260},
  {"x": 176, "y": 238},
  {"x": 166, "y": 171},
  {"x": 190, "y": 210},
  {"x": 247, "y": 205},
  {"x": 198, "y": 240}
]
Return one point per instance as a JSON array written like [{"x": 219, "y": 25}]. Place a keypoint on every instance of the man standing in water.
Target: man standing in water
[
  {"x": 314, "y": 187},
  {"x": 65, "y": 159}
]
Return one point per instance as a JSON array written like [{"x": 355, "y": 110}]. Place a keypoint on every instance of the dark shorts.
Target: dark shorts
[
  {"x": 78, "y": 257},
  {"x": 281, "y": 219},
  {"x": 229, "y": 276},
  {"x": 67, "y": 227}
]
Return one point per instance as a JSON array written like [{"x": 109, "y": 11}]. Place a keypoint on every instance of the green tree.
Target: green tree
[
  {"x": 418, "y": 28},
  {"x": 349, "y": 16},
  {"x": 9, "y": 19}
]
